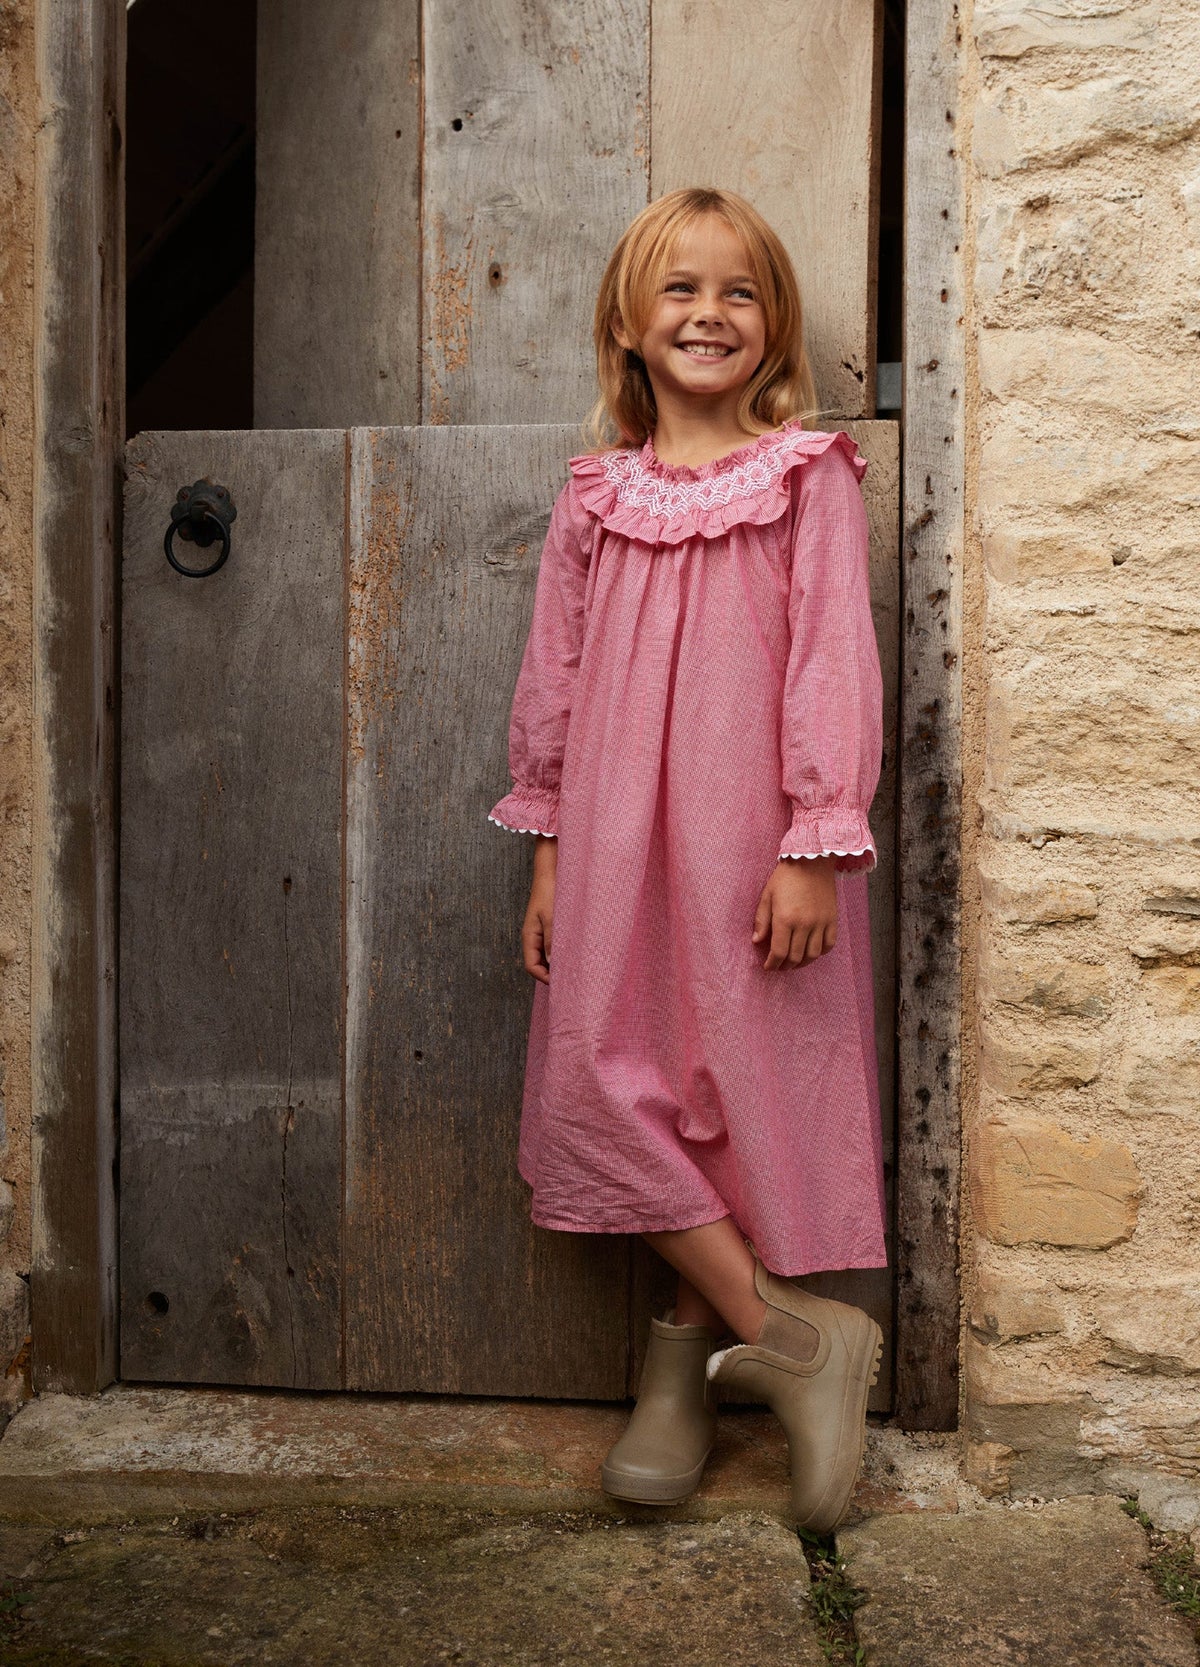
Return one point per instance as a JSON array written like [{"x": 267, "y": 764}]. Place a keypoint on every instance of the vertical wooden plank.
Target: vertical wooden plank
[
  {"x": 79, "y": 414},
  {"x": 536, "y": 158},
  {"x": 337, "y": 216},
  {"x": 230, "y": 1002},
  {"x": 931, "y": 724},
  {"x": 448, "y": 1285},
  {"x": 780, "y": 100}
]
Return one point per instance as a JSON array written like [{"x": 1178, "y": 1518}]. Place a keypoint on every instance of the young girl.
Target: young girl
[{"x": 695, "y": 741}]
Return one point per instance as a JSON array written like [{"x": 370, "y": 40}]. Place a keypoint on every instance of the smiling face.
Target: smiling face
[{"x": 706, "y": 334}]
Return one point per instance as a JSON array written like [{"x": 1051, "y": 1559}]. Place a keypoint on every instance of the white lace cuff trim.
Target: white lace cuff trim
[
  {"x": 866, "y": 851},
  {"x": 511, "y": 829}
]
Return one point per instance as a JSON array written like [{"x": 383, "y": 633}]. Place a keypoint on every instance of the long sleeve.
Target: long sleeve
[
  {"x": 831, "y": 741},
  {"x": 541, "y": 707}
]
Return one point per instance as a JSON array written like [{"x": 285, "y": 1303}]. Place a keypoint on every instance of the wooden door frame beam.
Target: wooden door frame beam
[
  {"x": 79, "y": 437},
  {"x": 79, "y": 430},
  {"x": 929, "y": 1123}
]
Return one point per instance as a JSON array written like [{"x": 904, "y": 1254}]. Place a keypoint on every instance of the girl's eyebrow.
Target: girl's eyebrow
[{"x": 682, "y": 272}]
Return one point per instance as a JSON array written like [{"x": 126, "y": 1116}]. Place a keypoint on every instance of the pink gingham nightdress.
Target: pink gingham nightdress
[{"x": 699, "y": 695}]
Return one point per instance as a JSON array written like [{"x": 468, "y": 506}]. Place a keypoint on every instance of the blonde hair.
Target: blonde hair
[{"x": 782, "y": 386}]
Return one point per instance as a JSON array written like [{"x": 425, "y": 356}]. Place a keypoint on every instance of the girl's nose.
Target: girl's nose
[{"x": 708, "y": 311}]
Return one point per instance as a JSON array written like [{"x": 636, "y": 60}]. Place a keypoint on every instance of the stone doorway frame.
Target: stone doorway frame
[{"x": 79, "y": 440}]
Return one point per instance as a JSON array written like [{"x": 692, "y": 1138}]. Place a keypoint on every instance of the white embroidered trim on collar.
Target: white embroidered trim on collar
[{"x": 638, "y": 486}]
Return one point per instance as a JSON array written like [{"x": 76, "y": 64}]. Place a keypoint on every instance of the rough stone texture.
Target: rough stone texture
[
  {"x": 413, "y": 1586},
  {"x": 1047, "y": 904},
  {"x": 1005, "y": 1308},
  {"x": 1060, "y": 1586},
  {"x": 1080, "y": 657},
  {"x": 1160, "y": 1332},
  {"x": 18, "y": 121},
  {"x": 1033, "y": 1184},
  {"x": 1022, "y": 1061}
]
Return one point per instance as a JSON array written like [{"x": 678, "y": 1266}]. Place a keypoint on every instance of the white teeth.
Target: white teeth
[{"x": 702, "y": 352}]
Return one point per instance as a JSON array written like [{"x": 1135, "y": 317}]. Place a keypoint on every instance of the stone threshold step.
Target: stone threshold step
[{"x": 138, "y": 1446}]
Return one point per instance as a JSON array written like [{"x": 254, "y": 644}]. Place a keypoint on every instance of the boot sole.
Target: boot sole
[
  {"x": 819, "y": 1518},
  {"x": 652, "y": 1490}
]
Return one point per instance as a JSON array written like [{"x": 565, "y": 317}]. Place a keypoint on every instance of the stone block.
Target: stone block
[
  {"x": 1171, "y": 991},
  {"x": 1057, "y": 988},
  {"x": 1010, "y": 28},
  {"x": 1028, "y": 1061},
  {"x": 1014, "y": 556},
  {"x": 1046, "y": 1441},
  {"x": 1037, "y": 902},
  {"x": 1116, "y": 731},
  {"x": 1018, "y": 127},
  {"x": 1160, "y": 1067},
  {"x": 988, "y": 1466},
  {"x": 1174, "y": 943},
  {"x": 1085, "y": 254},
  {"x": 1153, "y": 1329},
  {"x": 1031, "y": 1183},
  {"x": 14, "y": 1316},
  {"x": 1013, "y": 1305},
  {"x": 1080, "y": 368},
  {"x": 1043, "y": 474},
  {"x": 1060, "y": 1586}
]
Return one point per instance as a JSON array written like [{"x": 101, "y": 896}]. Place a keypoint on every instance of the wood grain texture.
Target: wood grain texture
[
  {"x": 928, "y": 1162},
  {"x": 79, "y": 415},
  {"x": 780, "y": 101},
  {"x": 230, "y": 913},
  {"x": 536, "y": 159},
  {"x": 449, "y": 1287},
  {"x": 337, "y": 263}
]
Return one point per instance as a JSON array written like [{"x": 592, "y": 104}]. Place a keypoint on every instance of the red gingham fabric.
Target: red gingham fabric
[{"x": 699, "y": 695}]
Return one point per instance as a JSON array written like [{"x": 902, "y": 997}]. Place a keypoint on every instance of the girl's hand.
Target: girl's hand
[
  {"x": 537, "y": 930},
  {"x": 797, "y": 911}
]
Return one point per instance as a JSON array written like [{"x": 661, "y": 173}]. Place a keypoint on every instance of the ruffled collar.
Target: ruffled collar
[
  {"x": 634, "y": 492},
  {"x": 730, "y": 463}
]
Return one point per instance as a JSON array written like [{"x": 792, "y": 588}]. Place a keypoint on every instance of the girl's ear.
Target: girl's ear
[{"x": 620, "y": 333}]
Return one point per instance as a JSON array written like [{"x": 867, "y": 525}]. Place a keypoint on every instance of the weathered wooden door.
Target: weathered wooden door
[{"x": 323, "y": 1011}]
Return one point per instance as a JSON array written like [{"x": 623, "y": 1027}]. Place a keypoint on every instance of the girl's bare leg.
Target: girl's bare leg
[{"x": 716, "y": 1270}]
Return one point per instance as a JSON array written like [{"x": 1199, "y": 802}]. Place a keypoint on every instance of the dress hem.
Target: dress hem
[{"x": 561, "y": 1225}]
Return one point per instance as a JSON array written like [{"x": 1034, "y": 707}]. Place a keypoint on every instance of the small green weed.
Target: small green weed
[
  {"x": 833, "y": 1599},
  {"x": 11, "y": 1599},
  {"x": 1172, "y": 1564}
]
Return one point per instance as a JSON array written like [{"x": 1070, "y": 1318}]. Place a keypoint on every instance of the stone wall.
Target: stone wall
[
  {"x": 17, "y": 123},
  {"x": 1082, "y": 1344}
]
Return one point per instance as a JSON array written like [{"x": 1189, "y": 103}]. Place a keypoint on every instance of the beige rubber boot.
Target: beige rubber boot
[
  {"x": 813, "y": 1363},
  {"x": 662, "y": 1454}
]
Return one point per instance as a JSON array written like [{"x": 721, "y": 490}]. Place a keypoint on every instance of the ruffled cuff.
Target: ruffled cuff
[
  {"x": 836, "y": 832},
  {"x": 528, "y": 810}
]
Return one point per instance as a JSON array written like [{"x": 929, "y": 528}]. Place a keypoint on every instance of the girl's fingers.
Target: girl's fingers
[
  {"x": 781, "y": 944},
  {"x": 762, "y": 918},
  {"x": 532, "y": 941}
]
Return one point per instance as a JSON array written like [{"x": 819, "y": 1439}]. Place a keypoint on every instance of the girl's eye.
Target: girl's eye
[{"x": 741, "y": 290}]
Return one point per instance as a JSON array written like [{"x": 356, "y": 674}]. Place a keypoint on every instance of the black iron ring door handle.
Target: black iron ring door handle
[{"x": 201, "y": 513}]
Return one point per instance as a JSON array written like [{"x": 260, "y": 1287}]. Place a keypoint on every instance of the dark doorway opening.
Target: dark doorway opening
[{"x": 189, "y": 214}]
